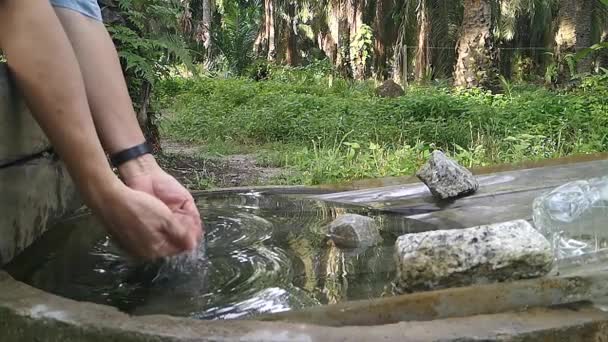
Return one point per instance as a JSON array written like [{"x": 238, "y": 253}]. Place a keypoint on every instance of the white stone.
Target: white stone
[{"x": 450, "y": 258}]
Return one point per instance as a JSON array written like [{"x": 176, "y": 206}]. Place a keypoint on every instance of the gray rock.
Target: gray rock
[
  {"x": 450, "y": 258},
  {"x": 352, "y": 231},
  {"x": 446, "y": 178},
  {"x": 389, "y": 89}
]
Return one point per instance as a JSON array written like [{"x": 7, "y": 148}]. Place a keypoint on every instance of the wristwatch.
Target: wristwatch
[{"x": 131, "y": 153}]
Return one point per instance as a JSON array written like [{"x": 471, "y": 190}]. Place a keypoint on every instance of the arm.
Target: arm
[
  {"x": 45, "y": 68},
  {"x": 114, "y": 116}
]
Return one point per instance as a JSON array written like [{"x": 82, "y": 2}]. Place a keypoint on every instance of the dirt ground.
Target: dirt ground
[{"x": 198, "y": 172}]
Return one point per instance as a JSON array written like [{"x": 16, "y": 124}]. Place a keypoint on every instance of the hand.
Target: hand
[
  {"x": 143, "y": 174},
  {"x": 141, "y": 224}
]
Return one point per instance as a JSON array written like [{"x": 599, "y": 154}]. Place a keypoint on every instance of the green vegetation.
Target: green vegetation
[
  {"x": 342, "y": 132},
  {"x": 293, "y": 80}
]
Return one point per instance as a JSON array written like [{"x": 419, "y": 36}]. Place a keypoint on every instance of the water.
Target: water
[
  {"x": 573, "y": 217},
  {"x": 262, "y": 254}
]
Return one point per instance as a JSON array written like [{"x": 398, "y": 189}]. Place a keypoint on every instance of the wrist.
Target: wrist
[
  {"x": 101, "y": 189},
  {"x": 142, "y": 165}
]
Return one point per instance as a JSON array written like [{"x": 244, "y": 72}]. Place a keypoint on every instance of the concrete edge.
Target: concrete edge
[
  {"x": 28, "y": 314},
  {"x": 454, "y": 302}
]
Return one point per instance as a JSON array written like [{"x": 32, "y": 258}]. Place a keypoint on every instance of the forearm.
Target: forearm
[
  {"x": 109, "y": 100},
  {"x": 105, "y": 85},
  {"x": 46, "y": 70}
]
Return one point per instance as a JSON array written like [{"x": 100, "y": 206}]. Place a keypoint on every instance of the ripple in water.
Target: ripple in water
[{"x": 261, "y": 254}]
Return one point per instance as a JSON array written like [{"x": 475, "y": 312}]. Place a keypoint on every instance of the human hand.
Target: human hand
[
  {"x": 143, "y": 174},
  {"x": 141, "y": 224}
]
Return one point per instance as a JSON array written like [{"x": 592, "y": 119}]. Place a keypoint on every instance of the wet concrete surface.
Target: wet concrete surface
[{"x": 502, "y": 196}]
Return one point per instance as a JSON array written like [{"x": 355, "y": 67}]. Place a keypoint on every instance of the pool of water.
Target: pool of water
[{"x": 263, "y": 253}]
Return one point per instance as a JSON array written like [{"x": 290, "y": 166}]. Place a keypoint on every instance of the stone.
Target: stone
[
  {"x": 446, "y": 178},
  {"x": 389, "y": 89},
  {"x": 451, "y": 258},
  {"x": 353, "y": 231}
]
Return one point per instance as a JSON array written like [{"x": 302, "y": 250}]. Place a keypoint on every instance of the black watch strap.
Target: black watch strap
[{"x": 124, "y": 156}]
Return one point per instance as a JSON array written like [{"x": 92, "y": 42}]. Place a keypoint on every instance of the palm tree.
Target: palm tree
[
  {"x": 323, "y": 23},
  {"x": 380, "y": 38},
  {"x": 290, "y": 29},
  {"x": 574, "y": 26},
  {"x": 423, "y": 57},
  {"x": 438, "y": 24},
  {"x": 603, "y": 60},
  {"x": 476, "y": 61},
  {"x": 525, "y": 35},
  {"x": 266, "y": 40},
  {"x": 235, "y": 35},
  {"x": 600, "y": 16}
]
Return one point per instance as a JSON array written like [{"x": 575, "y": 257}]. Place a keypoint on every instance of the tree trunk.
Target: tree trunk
[
  {"x": 260, "y": 46},
  {"x": 475, "y": 65},
  {"x": 203, "y": 27},
  {"x": 603, "y": 59},
  {"x": 423, "y": 57},
  {"x": 326, "y": 43},
  {"x": 573, "y": 33},
  {"x": 343, "y": 60},
  {"x": 270, "y": 29},
  {"x": 207, "y": 19},
  {"x": 291, "y": 53},
  {"x": 266, "y": 41},
  {"x": 358, "y": 62},
  {"x": 327, "y": 37},
  {"x": 380, "y": 67},
  {"x": 202, "y": 34}
]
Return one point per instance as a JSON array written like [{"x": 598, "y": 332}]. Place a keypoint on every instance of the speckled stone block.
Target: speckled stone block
[
  {"x": 451, "y": 258},
  {"x": 446, "y": 178}
]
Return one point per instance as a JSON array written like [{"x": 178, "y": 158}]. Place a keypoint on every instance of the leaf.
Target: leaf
[
  {"x": 582, "y": 54},
  {"x": 354, "y": 146}
]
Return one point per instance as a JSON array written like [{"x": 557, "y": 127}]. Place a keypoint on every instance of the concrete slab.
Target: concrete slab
[
  {"x": 34, "y": 196},
  {"x": 28, "y": 314},
  {"x": 20, "y": 135},
  {"x": 502, "y": 196},
  {"x": 455, "y": 302}
]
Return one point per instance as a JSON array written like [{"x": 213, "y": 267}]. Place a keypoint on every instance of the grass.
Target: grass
[{"x": 343, "y": 132}]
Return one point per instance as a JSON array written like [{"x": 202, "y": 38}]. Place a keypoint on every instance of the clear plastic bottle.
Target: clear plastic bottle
[{"x": 574, "y": 217}]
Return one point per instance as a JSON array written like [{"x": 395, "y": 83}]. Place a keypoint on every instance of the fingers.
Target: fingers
[
  {"x": 191, "y": 209},
  {"x": 165, "y": 249},
  {"x": 183, "y": 232}
]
